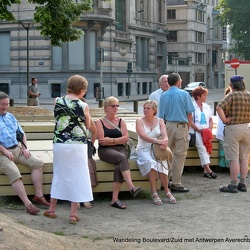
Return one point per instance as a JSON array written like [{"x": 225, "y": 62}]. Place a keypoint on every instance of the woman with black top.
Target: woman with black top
[{"x": 112, "y": 134}]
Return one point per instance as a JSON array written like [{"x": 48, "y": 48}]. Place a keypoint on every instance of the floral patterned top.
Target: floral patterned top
[{"x": 66, "y": 128}]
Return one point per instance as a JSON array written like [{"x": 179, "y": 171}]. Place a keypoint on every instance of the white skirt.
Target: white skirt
[
  {"x": 71, "y": 180},
  {"x": 146, "y": 162}
]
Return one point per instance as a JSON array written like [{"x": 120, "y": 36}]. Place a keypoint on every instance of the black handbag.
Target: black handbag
[
  {"x": 19, "y": 137},
  {"x": 91, "y": 149},
  {"x": 192, "y": 140}
]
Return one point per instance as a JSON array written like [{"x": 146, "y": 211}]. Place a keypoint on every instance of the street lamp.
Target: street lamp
[
  {"x": 129, "y": 72},
  {"x": 27, "y": 25},
  {"x": 101, "y": 60}
]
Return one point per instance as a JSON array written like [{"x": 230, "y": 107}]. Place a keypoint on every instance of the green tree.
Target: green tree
[
  {"x": 236, "y": 14},
  {"x": 54, "y": 18}
]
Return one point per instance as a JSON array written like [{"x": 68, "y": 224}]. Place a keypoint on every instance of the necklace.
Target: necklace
[{"x": 150, "y": 124}]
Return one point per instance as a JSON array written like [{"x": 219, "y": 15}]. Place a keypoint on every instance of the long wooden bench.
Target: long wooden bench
[{"x": 40, "y": 136}]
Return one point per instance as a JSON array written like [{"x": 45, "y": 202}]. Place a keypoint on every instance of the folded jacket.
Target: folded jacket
[{"x": 207, "y": 137}]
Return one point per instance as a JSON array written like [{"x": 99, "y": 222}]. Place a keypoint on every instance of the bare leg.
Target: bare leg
[
  {"x": 164, "y": 181},
  {"x": 37, "y": 179},
  {"x": 73, "y": 209},
  {"x": 152, "y": 179},
  {"x": 127, "y": 177},
  {"x": 116, "y": 190},
  {"x": 243, "y": 168},
  {"x": 19, "y": 189},
  {"x": 52, "y": 206},
  {"x": 234, "y": 170}
]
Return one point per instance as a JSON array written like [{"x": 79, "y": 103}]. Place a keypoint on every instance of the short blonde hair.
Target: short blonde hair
[
  {"x": 76, "y": 83},
  {"x": 109, "y": 100},
  {"x": 153, "y": 105}
]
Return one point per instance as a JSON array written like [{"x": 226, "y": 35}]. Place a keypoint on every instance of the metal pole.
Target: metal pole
[{"x": 28, "y": 64}]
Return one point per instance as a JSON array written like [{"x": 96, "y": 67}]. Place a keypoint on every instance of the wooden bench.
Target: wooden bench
[{"x": 40, "y": 136}]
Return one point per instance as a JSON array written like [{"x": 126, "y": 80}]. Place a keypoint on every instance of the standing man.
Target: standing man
[
  {"x": 12, "y": 152},
  {"x": 33, "y": 93},
  {"x": 156, "y": 95},
  {"x": 176, "y": 109},
  {"x": 234, "y": 111}
]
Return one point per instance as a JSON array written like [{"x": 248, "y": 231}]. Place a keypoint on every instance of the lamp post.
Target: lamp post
[
  {"x": 27, "y": 25},
  {"x": 101, "y": 60},
  {"x": 129, "y": 72}
]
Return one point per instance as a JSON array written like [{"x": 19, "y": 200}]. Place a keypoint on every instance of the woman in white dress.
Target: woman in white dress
[
  {"x": 71, "y": 180},
  {"x": 149, "y": 128}
]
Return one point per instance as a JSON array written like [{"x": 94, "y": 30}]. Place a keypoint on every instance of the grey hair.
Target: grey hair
[
  {"x": 3, "y": 95},
  {"x": 160, "y": 79}
]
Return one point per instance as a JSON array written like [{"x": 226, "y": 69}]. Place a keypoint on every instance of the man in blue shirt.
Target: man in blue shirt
[
  {"x": 12, "y": 152},
  {"x": 176, "y": 109}
]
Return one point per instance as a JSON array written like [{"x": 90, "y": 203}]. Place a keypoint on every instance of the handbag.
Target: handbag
[
  {"x": 92, "y": 172},
  {"x": 192, "y": 136},
  {"x": 91, "y": 149},
  {"x": 130, "y": 147}
]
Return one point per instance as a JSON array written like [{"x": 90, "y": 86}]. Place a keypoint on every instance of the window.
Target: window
[
  {"x": 172, "y": 36},
  {"x": 200, "y": 16},
  {"x": 4, "y": 50},
  {"x": 224, "y": 33},
  {"x": 144, "y": 88},
  {"x": 200, "y": 58},
  {"x": 120, "y": 14},
  {"x": 214, "y": 58},
  {"x": 199, "y": 37},
  {"x": 142, "y": 53},
  {"x": 160, "y": 48},
  {"x": 171, "y": 14},
  {"x": 4, "y": 87},
  {"x": 55, "y": 90},
  {"x": 76, "y": 55}
]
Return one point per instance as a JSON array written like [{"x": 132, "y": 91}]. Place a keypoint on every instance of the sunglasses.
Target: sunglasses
[{"x": 114, "y": 106}]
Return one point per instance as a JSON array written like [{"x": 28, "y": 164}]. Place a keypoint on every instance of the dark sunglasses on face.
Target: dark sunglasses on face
[{"x": 114, "y": 106}]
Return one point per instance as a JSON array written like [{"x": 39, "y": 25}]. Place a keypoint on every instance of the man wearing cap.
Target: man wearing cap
[
  {"x": 176, "y": 108},
  {"x": 234, "y": 111},
  {"x": 156, "y": 95}
]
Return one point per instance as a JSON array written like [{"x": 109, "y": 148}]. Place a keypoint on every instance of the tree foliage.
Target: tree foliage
[
  {"x": 237, "y": 14},
  {"x": 54, "y": 18}
]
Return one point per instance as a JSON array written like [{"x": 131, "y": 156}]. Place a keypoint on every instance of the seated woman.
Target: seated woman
[
  {"x": 112, "y": 134},
  {"x": 149, "y": 128},
  {"x": 202, "y": 119}
]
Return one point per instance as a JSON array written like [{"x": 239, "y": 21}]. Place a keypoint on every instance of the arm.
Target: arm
[
  {"x": 87, "y": 117},
  {"x": 189, "y": 116},
  {"x": 225, "y": 120},
  {"x": 93, "y": 130}
]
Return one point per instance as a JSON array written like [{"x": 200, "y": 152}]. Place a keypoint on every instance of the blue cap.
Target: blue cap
[{"x": 236, "y": 78}]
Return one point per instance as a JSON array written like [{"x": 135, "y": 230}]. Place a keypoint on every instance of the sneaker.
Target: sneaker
[
  {"x": 229, "y": 189},
  {"x": 242, "y": 187}
]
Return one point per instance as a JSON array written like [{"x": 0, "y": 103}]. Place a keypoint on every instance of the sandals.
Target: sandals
[
  {"x": 87, "y": 204},
  {"x": 156, "y": 200},
  {"x": 135, "y": 191},
  {"x": 207, "y": 175},
  {"x": 229, "y": 189},
  {"x": 213, "y": 175},
  {"x": 73, "y": 219},
  {"x": 50, "y": 214},
  {"x": 118, "y": 204},
  {"x": 170, "y": 198}
]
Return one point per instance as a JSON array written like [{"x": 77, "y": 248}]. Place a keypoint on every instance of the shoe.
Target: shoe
[
  {"x": 135, "y": 191},
  {"x": 41, "y": 200},
  {"x": 179, "y": 189},
  {"x": 170, "y": 198},
  {"x": 229, "y": 189},
  {"x": 73, "y": 219},
  {"x": 156, "y": 199},
  {"x": 118, "y": 204},
  {"x": 31, "y": 209},
  {"x": 242, "y": 187},
  {"x": 213, "y": 175},
  {"x": 207, "y": 175},
  {"x": 50, "y": 214}
]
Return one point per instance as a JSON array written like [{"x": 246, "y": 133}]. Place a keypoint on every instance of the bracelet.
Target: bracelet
[{"x": 113, "y": 140}]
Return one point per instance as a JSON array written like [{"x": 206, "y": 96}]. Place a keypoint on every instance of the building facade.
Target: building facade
[
  {"x": 122, "y": 53},
  {"x": 197, "y": 44}
]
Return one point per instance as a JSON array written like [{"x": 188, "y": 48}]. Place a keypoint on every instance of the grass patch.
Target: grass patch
[{"x": 59, "y": 233}]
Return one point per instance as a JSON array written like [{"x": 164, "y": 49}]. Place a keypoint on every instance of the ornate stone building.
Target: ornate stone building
[{"x": 118, "y": 35}]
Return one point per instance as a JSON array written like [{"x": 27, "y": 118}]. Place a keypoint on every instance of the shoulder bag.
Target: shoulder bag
[{"x": 192, "y": 139}]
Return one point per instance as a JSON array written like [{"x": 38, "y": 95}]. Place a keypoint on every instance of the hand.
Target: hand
[
  {"x": 9, "y": 154},
  {"x": 26, "y": 153}
]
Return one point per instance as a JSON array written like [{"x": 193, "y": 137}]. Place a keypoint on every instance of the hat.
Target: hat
[{"x": 236, "y": 78}]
